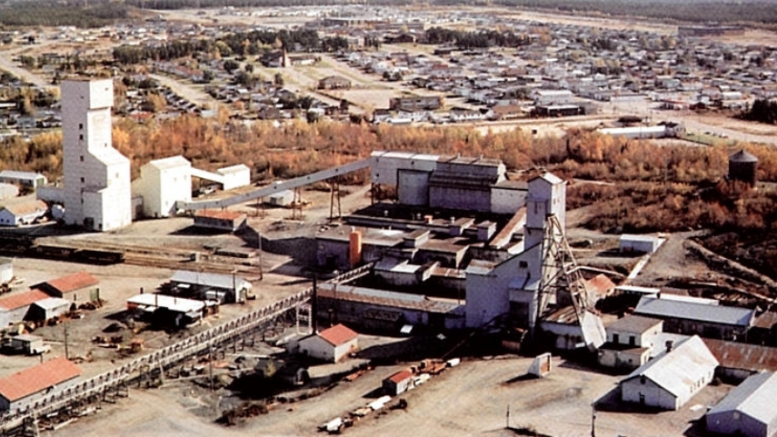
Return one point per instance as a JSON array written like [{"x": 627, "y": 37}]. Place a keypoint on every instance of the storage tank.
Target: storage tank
[
  {"x": 742, "y": 166},
  {"x": 355, "y": 248}
]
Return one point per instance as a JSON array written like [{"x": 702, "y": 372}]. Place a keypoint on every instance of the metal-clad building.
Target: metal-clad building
[
  {"x": 713, "y": 321},
  {"x": 671, "y": 379},
  {"x": 205, "y": 285},
  {"x": 22, "y": 389},
  {"x": 638, "y": 243},
  {"x": 748, "y": 410}
]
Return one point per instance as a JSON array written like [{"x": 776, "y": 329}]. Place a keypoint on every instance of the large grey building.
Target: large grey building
[{"x": 748, "y": 410}]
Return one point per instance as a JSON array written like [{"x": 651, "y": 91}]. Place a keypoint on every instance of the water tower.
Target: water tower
[{"x": 742, "y": 167}]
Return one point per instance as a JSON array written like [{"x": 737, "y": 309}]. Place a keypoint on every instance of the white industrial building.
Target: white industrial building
[
  {"x": 672, "y": 378},
  {"x": 331, "y": 344},
  {"x": 162, "y": 183},
  {"x": 452, "y": 182},
  {"x": 21, "y": 390},
  {"x": 96, "y": 176},
  {"x": 748, "y": 410},
  {"x": 235, "y": 176},
  {"x": 639, "y": 243}
]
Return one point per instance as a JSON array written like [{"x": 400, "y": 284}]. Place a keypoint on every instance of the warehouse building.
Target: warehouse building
[
  {"x": 690, "y": 318},
  {"x": 23, "y": 178},
  {"x": 78, "y": 287},
  {"x": 670, "y": 380},
  {"x": 451, "y": 182},
  {"x": 14, "y": 307},
  {"x": 748, "y": 410},
  {"x": 48, "y": 309},
  {"x": 228, "y": 221},
  {"x": 21, "y": 390},
  {"x": 385, "y": 310},
  {"x": 210, "y": 286},
  {"x": 166, "y": 310}
]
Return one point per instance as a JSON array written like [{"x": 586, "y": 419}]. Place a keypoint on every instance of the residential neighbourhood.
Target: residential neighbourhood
[{"x": 376, "y": 220}]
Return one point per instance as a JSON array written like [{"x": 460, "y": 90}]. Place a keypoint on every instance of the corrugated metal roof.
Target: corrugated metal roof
[
  {"x": 678, "y": 370},
  {"x": 742, "y": 355},
  {"x": 19, "y": 300},
  {"x": 176, "y": 304},
  {"x": 38, "y": 378},
  {"x": 662, "y": 308},
  {"x": 754, "y": 397},
  {"x": 635, "y": 324},
  {"x": 52, "y": 303},
  {"x": 218, "y": 214},
  {"x": 338, "y": 334},
  {"x": 215, "y": 280},
  {"x": 400, "y": 376},
  {"x": 388, "y": 298},
  {"x": 73, "y": 282},
  {"x": 766, "y": 320}
]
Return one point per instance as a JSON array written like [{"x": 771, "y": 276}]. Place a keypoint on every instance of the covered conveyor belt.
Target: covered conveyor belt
[{"x": 274, "y": 188}]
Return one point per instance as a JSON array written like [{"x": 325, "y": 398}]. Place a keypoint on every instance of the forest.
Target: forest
[{"x": 641, "y": 187}]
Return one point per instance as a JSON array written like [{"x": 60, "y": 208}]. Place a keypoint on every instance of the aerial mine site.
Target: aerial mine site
[{"x": 388, "y": 218}]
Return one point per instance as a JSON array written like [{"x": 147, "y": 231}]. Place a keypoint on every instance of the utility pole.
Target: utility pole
[
  {"x": 593, "y": 421},
  {"x": 507, "y": 417},
  {"x": 67, "y": 356}
]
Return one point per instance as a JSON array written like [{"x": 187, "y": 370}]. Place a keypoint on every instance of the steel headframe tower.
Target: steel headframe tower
[{"x": 561, "y": 279}]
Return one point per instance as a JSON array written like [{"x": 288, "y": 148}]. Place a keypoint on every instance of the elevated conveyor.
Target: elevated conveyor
[{"x": 274, "y": 188}]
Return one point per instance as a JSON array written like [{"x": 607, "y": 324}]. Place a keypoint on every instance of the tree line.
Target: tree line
[
  {"x": 477, "y": 39},
  {"x": 238, "y": 44},
  {"x": 762, "y": 110}
]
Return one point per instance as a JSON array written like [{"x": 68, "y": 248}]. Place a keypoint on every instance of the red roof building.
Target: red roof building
[
  {"x": 21, "y": 300},
  {"x": 338, "y": 335},
  {"x": 229, "y": 221},
  {"x": 399, "y": 382},
  {"x": 70, "y": 286},
  {"x": 331, "y": 344},
  {"x": 23, "y": 388}
]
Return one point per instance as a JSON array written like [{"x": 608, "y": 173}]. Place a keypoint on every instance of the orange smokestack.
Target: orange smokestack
[{"x": 355, "y": 253}]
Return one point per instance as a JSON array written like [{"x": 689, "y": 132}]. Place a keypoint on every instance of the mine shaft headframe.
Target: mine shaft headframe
[{"x": 560, "y": 265}]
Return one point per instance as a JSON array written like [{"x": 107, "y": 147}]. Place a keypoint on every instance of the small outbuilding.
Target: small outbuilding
[
  {"x": 21, "y": 390},
  {"x": 211, "y": 286},
  {"x": 48, "y": 309},
  {"x": 166, "y": 310},
  {"x": 638, "y": 243},
  {"x": 748, "y": 410},
  {"x": 399, "y": 382},
  {"x": 332, "y": 344},
  {"x": 629, "y": 342}
]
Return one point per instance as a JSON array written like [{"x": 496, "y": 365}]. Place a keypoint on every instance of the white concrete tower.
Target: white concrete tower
[
  {"x": 97, "y": 176},
  {"x": 547, "y": 197}
]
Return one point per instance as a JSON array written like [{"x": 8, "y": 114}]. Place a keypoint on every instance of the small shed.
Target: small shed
[
  {"x": 399, "y": 382},
  {"x": 211, "y": 286},
  {"x": 331, "y": 344},
  {"x": 22, "y": 389},
  {"x": 27, "y": 344},
  {"x": 639, "y": 243},
  {"x": 166, "y": 310},
  {"x": 78, "y": 287},
  {"x": 47, "y": 309},
  {"x": 748, "y": 410}
]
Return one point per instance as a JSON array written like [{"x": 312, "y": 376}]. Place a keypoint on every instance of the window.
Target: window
[
  {"x": 82, "y": 158},
  {"x": 81, "y": 137},
  {"x": 80, "y": 126},
  {"x": 642, "y": 379},
  {"x": 632, "y": 341},
  {"x": 523, "y": 264},
  {"x": 82, "y": 180}
]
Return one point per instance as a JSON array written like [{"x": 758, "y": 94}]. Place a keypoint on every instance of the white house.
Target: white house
[
  {"x": 330, "y": 344},
  {"x": 748, "y": 410},
  {"x": 629, "y": 342},
  {"x": 672, "y": 378}
]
